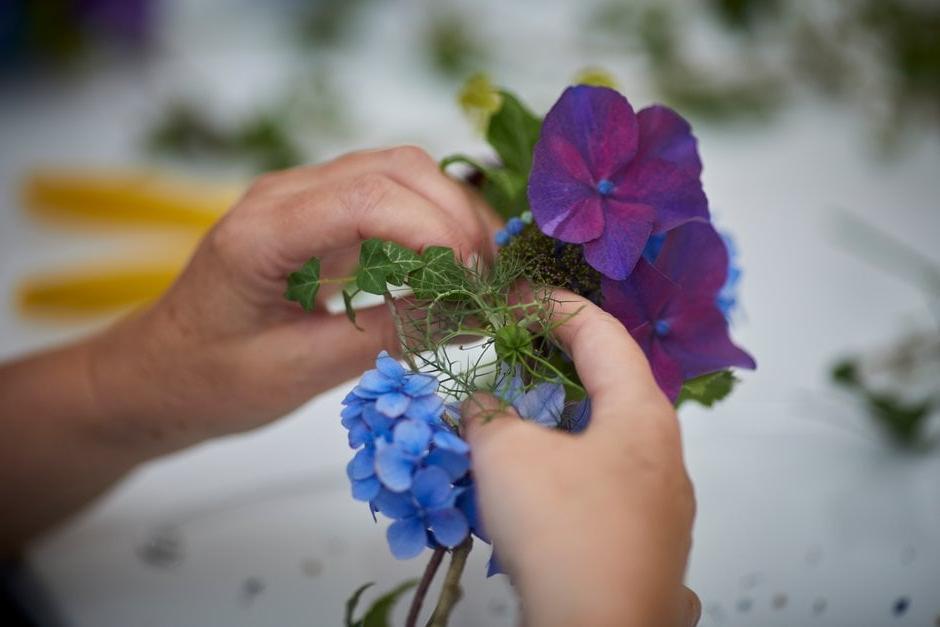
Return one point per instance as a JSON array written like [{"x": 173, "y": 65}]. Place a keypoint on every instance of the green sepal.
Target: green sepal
[
  {"x": 303, "y": 285},
  {"x": 707, "y": 389}
]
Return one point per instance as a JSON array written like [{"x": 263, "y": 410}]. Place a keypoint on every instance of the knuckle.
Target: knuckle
[
  {"x": 410, "y": 157},
  {"x": 264, "y": 183},
  {"x": 365, "y": 192}
]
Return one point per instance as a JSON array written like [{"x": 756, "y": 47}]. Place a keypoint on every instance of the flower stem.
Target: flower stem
[
  {"x": 422, "y": 590},
  {"x": 451, "y": 591},
  {"x": 399, "y": 330}
]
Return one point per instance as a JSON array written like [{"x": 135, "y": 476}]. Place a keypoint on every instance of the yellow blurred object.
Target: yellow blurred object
[
  {"x": 596, "y": 76},
  {"x": 105, "y": 198},
  {"x": 126, "y": 198},
  {"x": 94, "y": 292},
  {"x": 479, "y": 99}
]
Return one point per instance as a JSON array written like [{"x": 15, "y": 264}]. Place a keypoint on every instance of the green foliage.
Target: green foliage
[
  {"x": 352, "y": 602},
  {"x": 902, "y": 420},
  {"x": 438, "y": 274},
  {"x": 707, "y": 389},
  {"x": 512, "y": 130},
  {"x": 303, "y": 285},
  {"x": 379, "y": 613},
  {"x": 375, "y": 268},
  {"x": 512, "y": 343}
]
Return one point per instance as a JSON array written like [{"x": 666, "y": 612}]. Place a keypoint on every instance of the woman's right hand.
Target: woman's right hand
[{"x": 595, "y": 528}]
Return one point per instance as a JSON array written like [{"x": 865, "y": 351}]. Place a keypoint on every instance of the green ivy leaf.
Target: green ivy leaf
[
  {"x": 707, "y": 389},
  {"x": 512, "y": 132},
  {"x": 374, "y": 267},
  {"x": 379, "y": 613},
  {"x": 303, "y": 285},
  {"x": 351, "y": 604},
  {"x": 350, "y": 311},
  {"x": 439, "y": 273},
  {"x": 404, "y": 261}
]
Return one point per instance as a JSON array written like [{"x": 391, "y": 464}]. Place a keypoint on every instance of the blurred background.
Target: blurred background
[{"x": 128, "y": 126}]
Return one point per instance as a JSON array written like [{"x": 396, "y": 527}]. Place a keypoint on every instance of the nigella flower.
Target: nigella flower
[
  {"x": 670, "y": 308},
  {"x": 608, "y": 178},
  {"x": 543, "y": 404},
  {"x": 428, "y": 509}
]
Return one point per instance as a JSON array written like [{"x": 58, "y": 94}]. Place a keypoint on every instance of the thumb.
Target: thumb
[{"x": 484, "y": 417}]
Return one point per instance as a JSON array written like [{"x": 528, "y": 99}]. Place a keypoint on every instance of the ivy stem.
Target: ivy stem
[
  {"x": 343, "y": 280},
  {"x": 451, "y": 591},
  {"x": 400, "y": 332},
  {"x": 422, "y": 590}
]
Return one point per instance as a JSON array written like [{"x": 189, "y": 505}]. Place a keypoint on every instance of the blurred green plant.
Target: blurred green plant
[{"x": 453, "y": 46}]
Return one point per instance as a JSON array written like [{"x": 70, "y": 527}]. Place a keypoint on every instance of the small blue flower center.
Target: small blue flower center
[
  {"x": 604, "y": 187},
  {"x": 661, "y": 327}
]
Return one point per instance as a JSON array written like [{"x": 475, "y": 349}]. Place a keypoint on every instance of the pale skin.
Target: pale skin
[{"x": 223, "y": 352}]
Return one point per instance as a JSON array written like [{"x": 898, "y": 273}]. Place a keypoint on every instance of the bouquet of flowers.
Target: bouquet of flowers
[{"x": 597, "y": 199}]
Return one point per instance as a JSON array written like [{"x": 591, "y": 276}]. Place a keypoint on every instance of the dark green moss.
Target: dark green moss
[{"x": 547, "y": 261}]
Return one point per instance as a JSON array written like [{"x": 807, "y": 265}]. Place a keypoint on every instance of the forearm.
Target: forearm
[{"x": 56, "y": 445}]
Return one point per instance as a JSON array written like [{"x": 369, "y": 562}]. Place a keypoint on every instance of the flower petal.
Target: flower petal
[
  {"x": 359, "y": 434},
  {"x": 577, "y": 416},
  {"x": 467, "y": 503},
  {"x": 412, "y": 436},
  {"x": 666, "y": 370},
  {"x": 374, "y": 381},
  {"x": 695, "y": 257},
  {"x": 615, "y": 253},
  {"x": 392, "y": 404},
  {"x": 426, "y": 408},
  {"x": 494, "y": 567},
  {"x": 406, "y": 537},
  {"x": 431, "y": 488},
  {"x": 362, "y": 465},
  {"x": 664, "y": 134},
  {"x": 365, "y": 489},
  {"x": 394, "y": 468},
  {"x": 699, "y": 341},
  {"x": 395, "y": 504},
  {"x": 380, "y": 424},
  {"x": 389, "y": 366},
  {"x": 454, "y": 464},
  {"x": 419, "y": 385},
  {"x": 640, "y": 299},
  {"x": 509, "y": 385},
  {"x": 449, "y": 526},
  {"x": 542, "y": 404},
  {"x": 675, "y": 194},
  {"x": 451, "y": 442}
]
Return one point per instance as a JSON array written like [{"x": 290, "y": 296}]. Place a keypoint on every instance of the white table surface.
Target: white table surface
[{"x": 806, "y": 516}]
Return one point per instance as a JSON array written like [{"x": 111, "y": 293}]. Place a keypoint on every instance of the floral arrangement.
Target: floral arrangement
[{"x": 598, "y": 199}]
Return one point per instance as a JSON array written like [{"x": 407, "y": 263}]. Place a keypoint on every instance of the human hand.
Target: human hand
[
  {"x": 222, "y": 350},
  {"x": 594, "y": 528}
]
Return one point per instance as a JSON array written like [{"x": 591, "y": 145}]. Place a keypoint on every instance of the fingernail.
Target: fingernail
[{"x": 471, "y": 261}]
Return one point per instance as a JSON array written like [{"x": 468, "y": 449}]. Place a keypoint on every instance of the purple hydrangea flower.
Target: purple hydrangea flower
[
  {"x": 427, "y": 509},
  {"x": 608, "y": 178},
  {"x": 676, "y": 322}
]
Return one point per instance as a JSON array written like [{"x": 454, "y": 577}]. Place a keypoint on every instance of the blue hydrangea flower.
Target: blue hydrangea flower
[
  {"x": 407, "y": 455},
  {"x": 425, "y": 515},
  {"x": 727, "y": 299}
]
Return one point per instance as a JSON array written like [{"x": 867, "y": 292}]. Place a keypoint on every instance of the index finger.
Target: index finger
[{"x": 610, "y": 363}]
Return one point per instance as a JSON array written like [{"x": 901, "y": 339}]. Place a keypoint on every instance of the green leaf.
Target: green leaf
[
  {"x": 303, "y": 285},
  {"x": 505, "y": 191},
  {"x": 350, "y": 311},
  {"x": 351, "y": 604},
  {"x": 439, "y": 273},
  {"x": 379, "y": 613},
  {"x": 374, "y": 267},
  {"x": 403, "y": 262},
  {"x": 707, "y": 389},
  {"x": 512, "y": 132}
]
